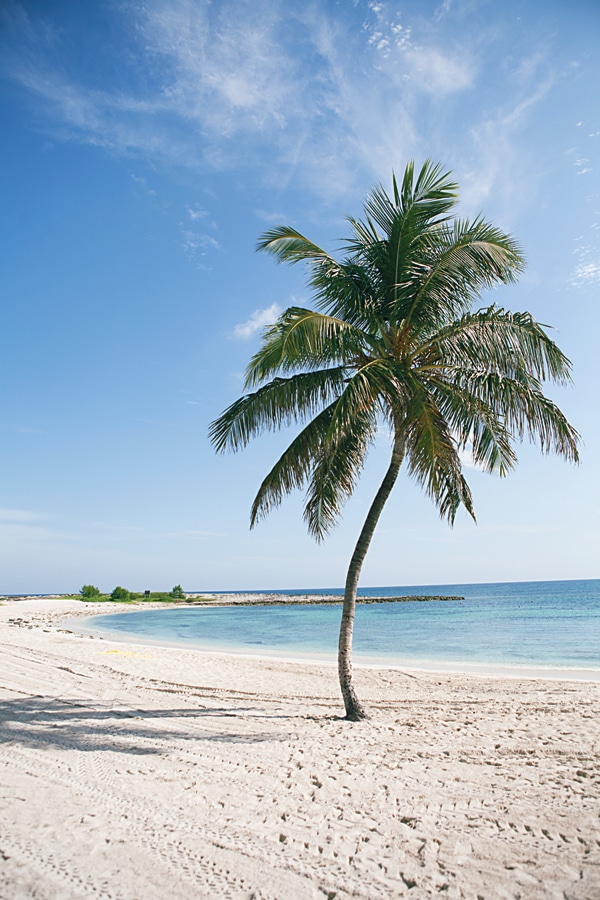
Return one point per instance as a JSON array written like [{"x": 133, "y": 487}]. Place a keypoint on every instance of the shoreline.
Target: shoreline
[
  {"x": 248, "y": 598},
  {"x": 136, "y": 770},
  {"x": 488, "y": 669}
]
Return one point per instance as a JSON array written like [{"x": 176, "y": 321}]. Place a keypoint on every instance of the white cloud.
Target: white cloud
[
  {"x": 196, "y": 243},
  {"x": 303, "y": 95},
  {"x": 271, "y": 217},
  {"x": 259, "y": 319},
  {"x": 497, "y": 171},
  {"x": 427, "y": 66},
  {"x": 582, "y": 166},
  {"x": 195, "y": 214},
  {"x": 217, "y": 85},
  {"x": 587, "y": 254},
  {"x": 141, "y": 182},
  {"x": 443, "y": 10},
  {"x": 586, "y": 273},
  {"x": 438, "y": 73}
]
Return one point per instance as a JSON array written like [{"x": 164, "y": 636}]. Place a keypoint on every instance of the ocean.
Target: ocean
[{"x": 532, "y": 625}]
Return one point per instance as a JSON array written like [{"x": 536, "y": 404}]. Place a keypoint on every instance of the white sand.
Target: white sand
[{"x": 138, "y": 772}]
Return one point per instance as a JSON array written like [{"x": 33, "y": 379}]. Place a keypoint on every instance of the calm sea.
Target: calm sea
[{"x": 520, "y": 624}]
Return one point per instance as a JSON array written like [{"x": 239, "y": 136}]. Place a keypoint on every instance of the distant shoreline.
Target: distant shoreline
[
  {"x": 286, "y": 599},
  {"x": 246, "y": 599}
]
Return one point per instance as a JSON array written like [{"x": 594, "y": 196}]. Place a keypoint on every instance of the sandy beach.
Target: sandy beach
[{"x": 131, "y": 771}]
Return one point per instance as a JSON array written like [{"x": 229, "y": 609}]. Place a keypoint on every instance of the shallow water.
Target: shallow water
[{"x": 531, "y": 624}]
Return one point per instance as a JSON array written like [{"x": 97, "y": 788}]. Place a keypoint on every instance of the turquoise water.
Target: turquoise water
[{"x": 532, "y": 624}]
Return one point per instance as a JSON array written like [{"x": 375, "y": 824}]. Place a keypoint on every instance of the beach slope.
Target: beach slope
[{"x": 132, "y": 771}]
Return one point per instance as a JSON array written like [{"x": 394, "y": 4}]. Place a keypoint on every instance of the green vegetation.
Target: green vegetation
[
  {"x": 122, "y": 595},
  {"x": 396, "y": 340}
]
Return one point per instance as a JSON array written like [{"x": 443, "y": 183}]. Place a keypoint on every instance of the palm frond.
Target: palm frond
[
  {"x": 453, "y": 266},
  {"x": 472, "y": 422},
  {"x": 343, "y": 289},
  {"x": 350, "y": 290},
  {"x": 278, "y": 403},
  {"x": 499, "y": 341},
  {"x": 374, "y": 389},
  {"x": 293, "y": 467},
  {"x": 526, "y": 411},
  {"x": 336, "y": 472},
  {"x": 289, "y": 246},
  {"x": 379, "y": 386},
  {"x": 432, "y": 454},
  {"x": 421, "y": 203},
  {"x": 304, "y": 339},
  {"x": 417, "y": 210}
]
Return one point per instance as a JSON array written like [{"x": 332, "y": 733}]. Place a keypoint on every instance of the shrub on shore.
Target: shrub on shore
[{"x": 121, "y": 595}]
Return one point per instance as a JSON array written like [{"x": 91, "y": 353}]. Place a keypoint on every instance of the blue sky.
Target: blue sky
[{"x": 144, "y": 147}]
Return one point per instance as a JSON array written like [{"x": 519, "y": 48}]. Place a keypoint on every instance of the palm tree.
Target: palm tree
[{"x": 394, "y": 339}]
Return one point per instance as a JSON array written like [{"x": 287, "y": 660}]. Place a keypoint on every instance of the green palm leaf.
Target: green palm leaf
[
  {"x": 293, "y": 468},
  {"x": 337, "y": 470},
  {"x": 280, "y": 402},
  {"x": 304, "y": 339}
]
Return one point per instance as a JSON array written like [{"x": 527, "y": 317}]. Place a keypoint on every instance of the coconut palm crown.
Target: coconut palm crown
[{"x": 395, "y": 338}]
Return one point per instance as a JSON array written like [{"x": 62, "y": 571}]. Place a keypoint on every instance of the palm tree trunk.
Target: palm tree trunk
[{"x": 354, "y": 709}]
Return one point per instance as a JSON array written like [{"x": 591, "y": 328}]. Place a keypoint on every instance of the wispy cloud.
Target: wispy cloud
[
  {"x": 586, "y": 273},
  {"x": 432, "y": 68},
  {"x": 193, "y": 533},
  {"x": 273, "y": 218},
  {"x": 495, "y": 138},
  {"x": 587, "y": 255},
  {"x": 582, "y": 165},
  {"x": 118, "y": 527},
  {"x": 142, "y": 184},
  {"x": 426, "y": 63},
  {"x": 437, "y": 72},
  {"x": 22, "y": 527},
  {"x": 20, "y": 516},
  {"x": 443, "y": 9},
  {"x": 197, "y": 213},
  {"x": 259, "y": 319},
  {"x": 197, "y": 244},
  {"x": 305, "y": 95}
]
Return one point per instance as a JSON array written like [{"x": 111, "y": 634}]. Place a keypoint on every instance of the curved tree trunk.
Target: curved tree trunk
[{"x": 354, "y": 709}]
